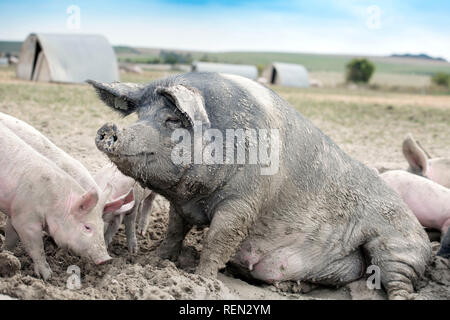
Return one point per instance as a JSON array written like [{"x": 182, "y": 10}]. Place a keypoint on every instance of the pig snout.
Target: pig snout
[{"x": 107, "y": 138}]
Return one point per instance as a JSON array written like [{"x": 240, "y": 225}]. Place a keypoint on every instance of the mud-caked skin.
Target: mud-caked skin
[{"x": 318, "y": 219}]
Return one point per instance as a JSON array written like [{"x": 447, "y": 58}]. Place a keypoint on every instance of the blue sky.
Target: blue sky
[{"x": 321, "y": 26}]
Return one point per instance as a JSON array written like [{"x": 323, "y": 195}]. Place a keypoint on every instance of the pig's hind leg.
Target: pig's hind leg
[
  {"x": 11, "y": 236},
  {"x": 401, "y": 262}
]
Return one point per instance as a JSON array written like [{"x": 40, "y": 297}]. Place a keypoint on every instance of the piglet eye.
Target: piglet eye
[{"x": 87, "y": 228}]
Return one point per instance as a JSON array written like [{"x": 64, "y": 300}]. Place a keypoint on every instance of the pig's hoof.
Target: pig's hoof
[
  {"x": 294, "y": 286},
  {"x": 207, "y": 272},
  {"x": 43, "y": 271},
  {"x": 141, "y": 231},
  {"x": 403, "y": 295},
  {"x": 133, "y": 248},
  {"x": 168, "y": 252}
]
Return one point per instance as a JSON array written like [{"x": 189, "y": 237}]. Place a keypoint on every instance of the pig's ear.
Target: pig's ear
[
  {"x": 415, "y": 156},
  {"x": 121, "y": 204},
  {"x": 122, "y": 97},
  {"x": 189, "y": 101},
  {"x": 85, "y": 203}
]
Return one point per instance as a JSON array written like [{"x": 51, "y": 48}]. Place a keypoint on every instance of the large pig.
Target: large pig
[
  {"x": 311, "y": 213},
  {"x": 73, "y": 167},
  {"x": 429, "y": 201},
  {"x": 37, "y": 196},
  {"x": 135, "y": 200},
  {"x": 436, "y": 169}
]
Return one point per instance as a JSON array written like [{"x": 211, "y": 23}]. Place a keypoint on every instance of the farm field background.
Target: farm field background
[{"x": 368, "y": 124}]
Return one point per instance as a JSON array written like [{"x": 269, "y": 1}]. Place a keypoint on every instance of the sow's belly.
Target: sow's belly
[{"x": 271, "y": 258}]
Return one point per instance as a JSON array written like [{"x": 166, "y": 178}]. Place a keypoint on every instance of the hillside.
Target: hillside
[{"x": 10, "y": 46}]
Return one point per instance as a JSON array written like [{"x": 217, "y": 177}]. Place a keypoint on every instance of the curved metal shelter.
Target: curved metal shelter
[
  {"x": 247, "y": 71},
  {"x": 70, "y": 58},
  {"x": 287, "y": 74}
]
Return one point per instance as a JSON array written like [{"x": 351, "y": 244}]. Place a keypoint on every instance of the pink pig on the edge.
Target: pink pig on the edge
[
  {"x": 37, "y": 196},
  {"x": 436, "y": 169},
  {"x": 136, "y": 200},
  {"x": 429, "y": 201}
]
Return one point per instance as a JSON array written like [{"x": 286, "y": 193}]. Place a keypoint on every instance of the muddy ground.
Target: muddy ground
[{"x": 70, "y": 116}]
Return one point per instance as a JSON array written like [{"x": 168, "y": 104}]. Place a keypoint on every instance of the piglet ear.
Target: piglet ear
[
  {"x": 85, "y": 203},
  {"x": 124, "y": 202},
  {"x": 414, "y": 154},
  {"x": 112, "y": 206}
]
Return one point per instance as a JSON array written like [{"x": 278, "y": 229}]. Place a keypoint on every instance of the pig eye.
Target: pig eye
[
  {"x": 173, "y": 122},
  {"x": 87, "y": 228}
]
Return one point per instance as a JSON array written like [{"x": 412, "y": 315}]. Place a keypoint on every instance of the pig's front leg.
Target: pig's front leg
[
  {"x": 11, "y": 236},
  {"x": 112, "y": 229},
  {"x": 229, "y": 227},
  {"x": 177, "y": 229},
  {"x": 130, "y": 230},
  {"x": 30, "y": 233}
]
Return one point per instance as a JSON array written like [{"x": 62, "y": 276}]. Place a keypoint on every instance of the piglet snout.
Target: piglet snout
[
  {"x": 103, "y": 260},
  {"x": 107, "y": 137}
]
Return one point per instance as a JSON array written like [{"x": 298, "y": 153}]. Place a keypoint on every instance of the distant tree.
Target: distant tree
[
  {"x": 171, "y": 57},
  {"x": 204, "y": 58},
  {"x": 359, "y": 70},
  {"x": 441, "y": 79},
  {"x": 154, "y": 60}
]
